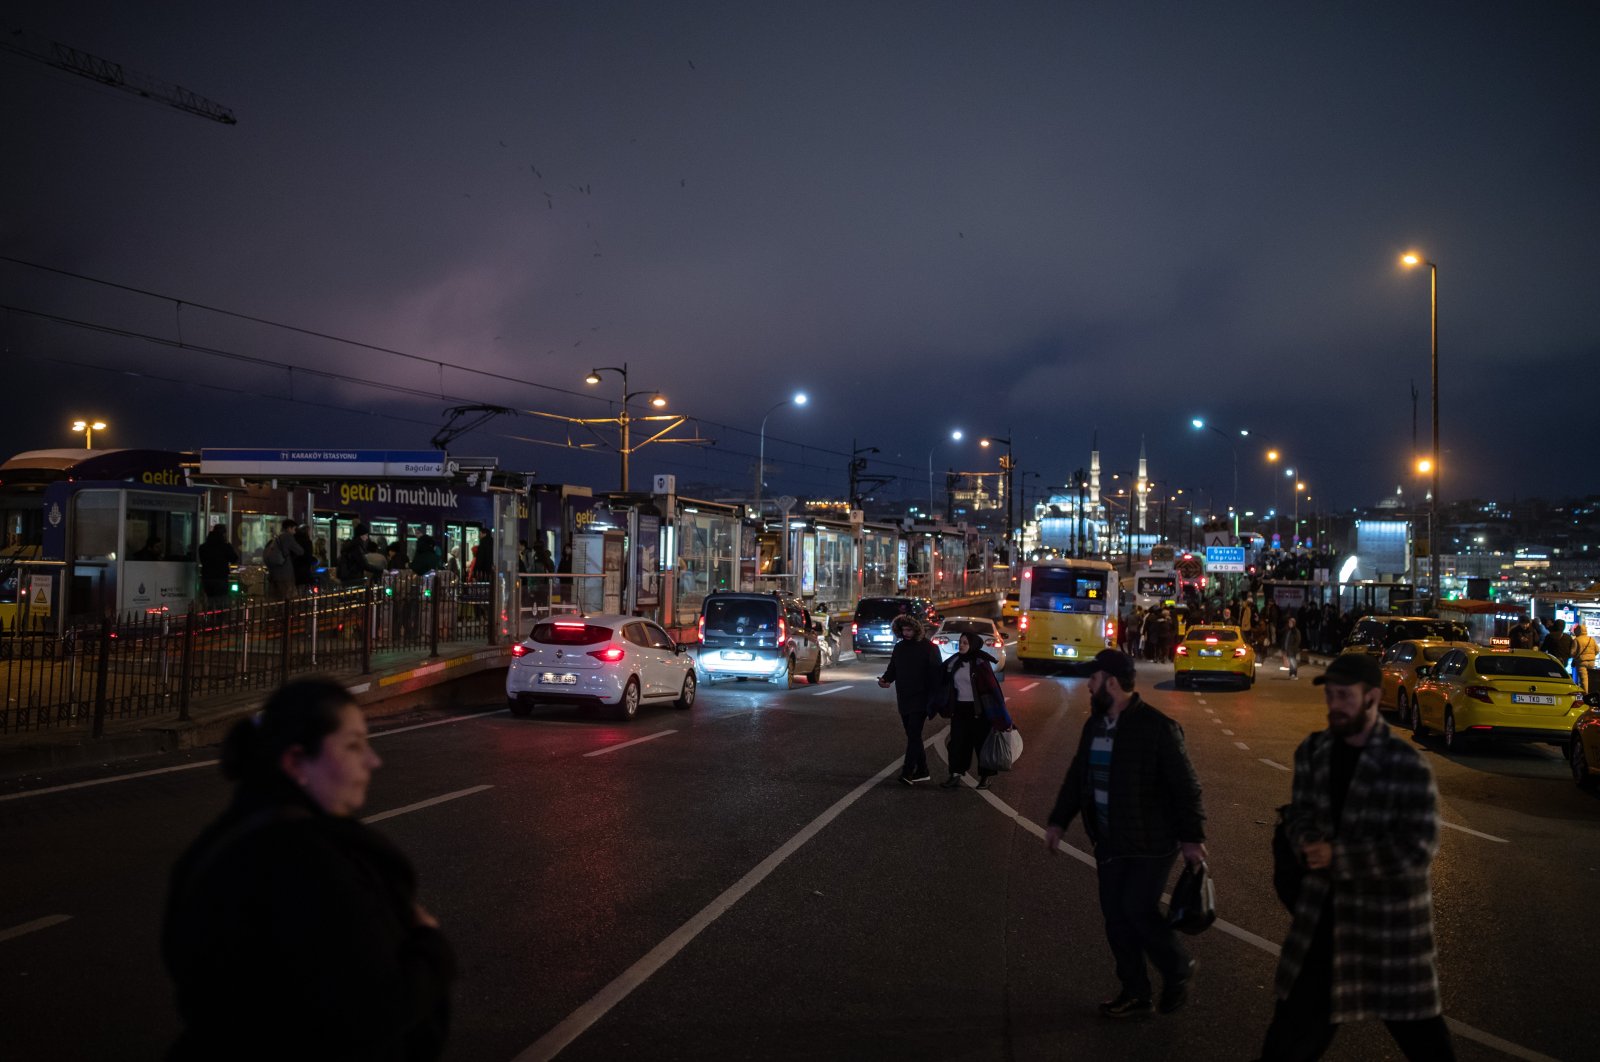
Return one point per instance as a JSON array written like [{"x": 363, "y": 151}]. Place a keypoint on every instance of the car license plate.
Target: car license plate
[
  {"x": 1211, "y": 652},
  {"x": 1065, "y": 650},
  {"x": 737, "y": 654},
  {"x": 883, "y": 637},
  {"x": 550, "y": 678},
  {"x": 1532, "y": 698}
]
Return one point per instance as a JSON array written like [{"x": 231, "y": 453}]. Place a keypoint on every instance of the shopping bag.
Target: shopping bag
[
  {"x": 1000, "y": 750},
  {"x": 1194, "y": 900}
]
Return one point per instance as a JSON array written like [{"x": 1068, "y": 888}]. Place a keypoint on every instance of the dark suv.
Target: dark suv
[
  {"x": 765, "y": 636},
  {"x": 871, "y": 632},
  {"x": 1375, "y": 634}
]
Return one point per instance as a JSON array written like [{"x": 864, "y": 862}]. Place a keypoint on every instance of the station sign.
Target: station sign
[
  {"x": 288, "y": 464},
  {"x": 1224, "y": 558}
]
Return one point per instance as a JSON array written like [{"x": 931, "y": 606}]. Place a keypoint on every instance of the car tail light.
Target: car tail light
[
  {"x": 1211, "y": 641},
  {"x": 519, "y": 650},
  {"x": 998, "y": 644},
  {"x": 1479, "y": 693},
  {"x": 610, "y": 654},
  {"x": 1239, "y": 651},
  {"x": 1182, "y": 650},
  {"x": 783, "y": 631},
  {"x": 855, "y": 628},
  {"x": 700, "y": 630},
  {"x": 941, "y": 640}
]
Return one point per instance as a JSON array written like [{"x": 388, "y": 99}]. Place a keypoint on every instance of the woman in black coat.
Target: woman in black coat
[
  {"x": 292, "y": 930},
  {"x": 976, "y": 707}
]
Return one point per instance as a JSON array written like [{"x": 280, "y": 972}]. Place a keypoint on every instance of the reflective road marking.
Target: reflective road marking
[
  {"x": 430, "y": 802},
  {"x": 38, "y": 923},
  {"x": 625, "y": 744},
  {"x": 1273, "y": 763},
  {"x": 830, "y": 689},
  {"x": 1475, "y": 833}
]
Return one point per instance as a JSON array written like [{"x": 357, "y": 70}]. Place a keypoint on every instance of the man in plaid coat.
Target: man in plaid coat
[{"x": 1365, "y": 819}]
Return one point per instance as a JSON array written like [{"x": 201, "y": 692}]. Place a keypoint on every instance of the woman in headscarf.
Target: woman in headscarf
[
  {"x": 292, "y": 930},
  {"x": 977, "y": 707}
]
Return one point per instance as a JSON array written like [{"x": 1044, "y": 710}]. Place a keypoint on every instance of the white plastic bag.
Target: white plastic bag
[{"x": 1000, "y": 750}]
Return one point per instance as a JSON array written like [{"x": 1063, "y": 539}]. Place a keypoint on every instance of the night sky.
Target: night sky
[{"x": 1047, "y": 220}]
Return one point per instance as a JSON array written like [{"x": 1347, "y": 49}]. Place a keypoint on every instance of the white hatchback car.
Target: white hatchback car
[
  {"x": 947, "y": 637},
  {"x": 616, "y": 661}
]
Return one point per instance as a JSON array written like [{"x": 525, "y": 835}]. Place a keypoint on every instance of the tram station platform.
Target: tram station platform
[{"x": 398, "y": 683}]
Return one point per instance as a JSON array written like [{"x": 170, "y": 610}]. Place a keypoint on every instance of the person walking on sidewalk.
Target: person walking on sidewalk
[
  {"x": 291, "y": 929},
  {"x": 1364, "y": 817},
  {"x": 976, "y": 707},
  {"x": 1140, "y": 799},
  {"x": 1291, "y": 647},
  {"x": 913, "y": 671},
  {"x": 1584, "y": 650}
]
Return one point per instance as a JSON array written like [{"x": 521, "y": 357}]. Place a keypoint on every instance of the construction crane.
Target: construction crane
[{"x": 106, "y": 72}]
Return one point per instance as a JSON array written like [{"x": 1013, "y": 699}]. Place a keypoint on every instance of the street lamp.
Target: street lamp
[
  {"x": 623, "y": 420},
  {"x": 797, "y": 399},
  {"x": 1008, "y": 464},
  {"x": 89, "y": 427},
  {"x": 955, "y": 436},
  {"x": 1434, "y": 575},
  {"x": 1233, "y": 445}
]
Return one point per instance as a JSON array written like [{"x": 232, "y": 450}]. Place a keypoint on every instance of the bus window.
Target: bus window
[{"x": 1068, "y": 590}]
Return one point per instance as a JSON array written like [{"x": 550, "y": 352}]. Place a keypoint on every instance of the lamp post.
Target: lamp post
[
  {"x": 89, "y": 427},
  {"x": 1234, "y": 446},
  {"x": 797, "y": 399},
  {"x": 1435, "y": 580},
  {"x": 623, "y": 420},
  {"x": 955, "y": 436},
  {"x": 1008, "y": 464}
]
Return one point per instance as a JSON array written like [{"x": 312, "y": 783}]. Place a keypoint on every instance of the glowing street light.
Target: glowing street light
[
  {"x": 1412, "y": 259},
  {"x": 797, "y": 399},
  {"x": 955, "y": 436},
  {"x": 89, "y": 427}
]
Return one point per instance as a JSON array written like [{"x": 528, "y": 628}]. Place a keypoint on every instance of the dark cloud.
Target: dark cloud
[{"x": 1049, "y": 219}]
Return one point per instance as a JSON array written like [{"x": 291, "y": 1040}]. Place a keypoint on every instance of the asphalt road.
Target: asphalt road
[{"x": 748, "y": 880}]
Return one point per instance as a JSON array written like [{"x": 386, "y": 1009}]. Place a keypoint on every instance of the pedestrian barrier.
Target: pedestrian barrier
[{"x": 156, "y": 664}]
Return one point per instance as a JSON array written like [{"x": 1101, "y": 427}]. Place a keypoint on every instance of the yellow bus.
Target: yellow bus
[{"x": 1069, "y": 612}]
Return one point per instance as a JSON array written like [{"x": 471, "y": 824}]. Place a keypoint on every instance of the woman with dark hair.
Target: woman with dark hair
[
  {"x": 976, "y": 707},
  {"x": 292, "y": 930}
]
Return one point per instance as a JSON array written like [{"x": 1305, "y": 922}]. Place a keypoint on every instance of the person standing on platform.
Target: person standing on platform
[{"x": 217, "y": 558}]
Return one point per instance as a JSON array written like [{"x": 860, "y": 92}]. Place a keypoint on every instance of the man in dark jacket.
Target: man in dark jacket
[
  {"x": 1558, "y": 643},
  {"x": 913, "y": 671},
  {"x": 1132, "y": 780},
  {"x": 217, "y": 558}
]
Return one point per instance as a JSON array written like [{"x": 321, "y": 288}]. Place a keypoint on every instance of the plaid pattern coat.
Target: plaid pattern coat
[{"x": 1383, "y": 951}]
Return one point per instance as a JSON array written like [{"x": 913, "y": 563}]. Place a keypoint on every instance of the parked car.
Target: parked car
[
  {"x": 1583, "y": 750},
  {"x": 947, "y": 637},
  {"x": 1375, "y": 634},
  {"x": 870, "y": 631},
  {"x": 1517, "y": 694},
  {"x": 1401, "y": 664},
  {"x": 613, "y": 661},
  {"x": 1211, "y": 651},
  {"x": 765, "y": 636}
]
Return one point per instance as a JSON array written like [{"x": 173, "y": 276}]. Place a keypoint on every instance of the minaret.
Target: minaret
[
  {"x": 1143, "y": 485},
  {"x": 1094, "y": 474}
]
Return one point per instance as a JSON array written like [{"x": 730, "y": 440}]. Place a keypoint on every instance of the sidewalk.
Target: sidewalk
[{"x": 394, "y": 674}]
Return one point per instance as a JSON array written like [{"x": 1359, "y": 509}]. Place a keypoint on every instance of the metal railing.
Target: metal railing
[{"x": 160, "y": 663}]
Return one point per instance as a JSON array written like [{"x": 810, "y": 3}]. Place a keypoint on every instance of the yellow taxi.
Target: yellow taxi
[
  {"x": 1401, "y": 663},
  {"x": 1212, "y": 651},
  {"x": 1515, "y": 694},
  {"x": 1583, "y": 751},
  {"x": 1011, "y": 607}
]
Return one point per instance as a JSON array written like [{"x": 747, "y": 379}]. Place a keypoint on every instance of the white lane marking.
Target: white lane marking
[
  {"x": 1273, "y": 763},
  {"x": 38, "y": 923},
  {"x": 1227, "y": 732},
  {"x": 1214, "y": 719},
  {"x": 430, "y": 802},
  {"x": 107, "y": 781},
  {"x": 438, "y": 722},
  {"x": 1461, "y": 1029},
  {"x": 1240, "y": 744},
  {"x": 1211, "y": 711},
  {"x": 830, "y": 689},
  {"x": 213, "y": 763},
  {"x": 625, "y": 744},
  {"x": 1475, "y": 833},
  {"x": 578, "y": 1022},
  {"x": 1201, "y": 700}
]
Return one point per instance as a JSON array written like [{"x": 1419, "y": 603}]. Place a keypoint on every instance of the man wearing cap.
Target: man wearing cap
[
  {"x": 1364, "y": 817},
  {"x": 1132, "y": 780}
]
